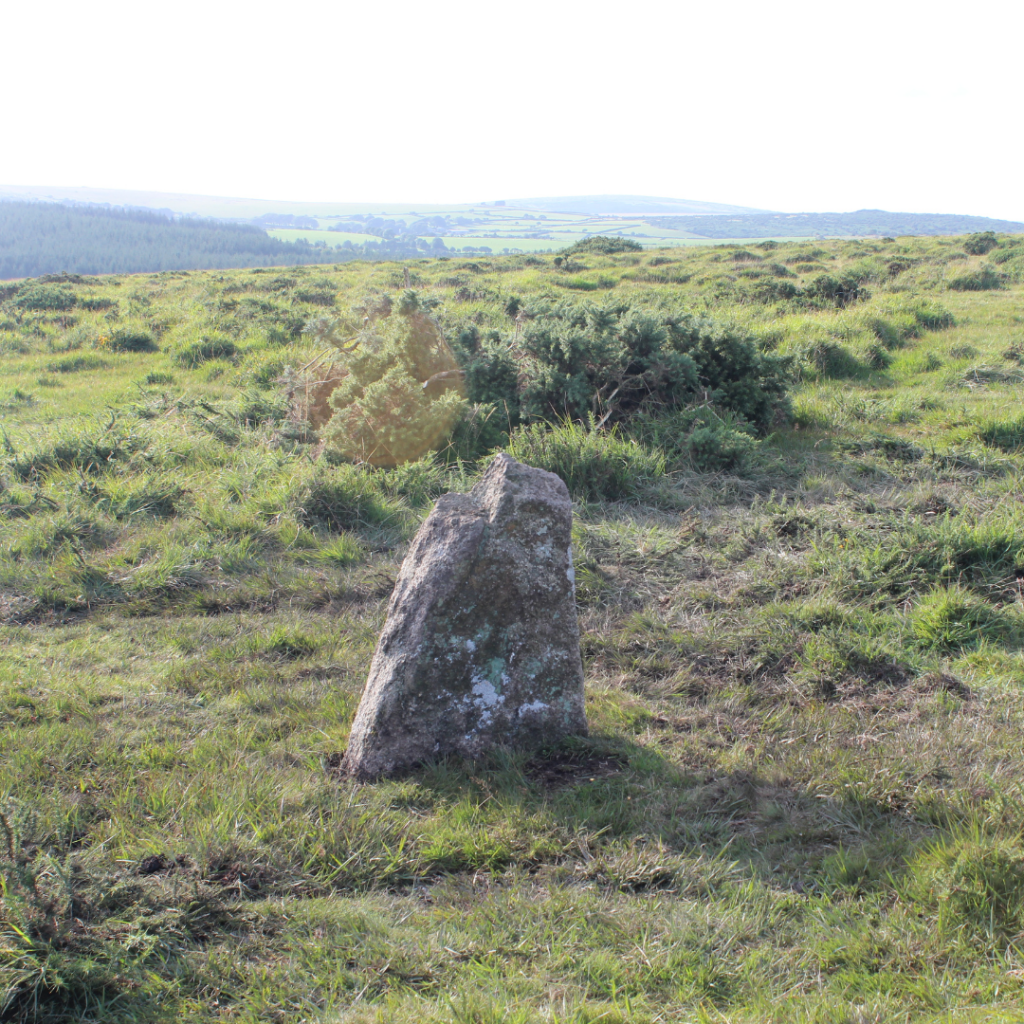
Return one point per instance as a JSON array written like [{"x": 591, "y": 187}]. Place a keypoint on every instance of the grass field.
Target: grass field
[
  {"x": 801, "y": 800},
  {"x": 506, "y": 238},
  {"x": 505, "y": 227}
]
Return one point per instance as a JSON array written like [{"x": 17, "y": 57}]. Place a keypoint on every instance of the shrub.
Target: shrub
[
  {"x": 208, "y": 347},
  {"x": 773, "y": 290},
  {"x": 614, "y": 361},
  {"x": 713, "y": 448},
  {"x": 595, "y": 465},
  {"x": 980, "y": 243},
  {"x": 491, "y": 372},
  {"x": 585, "y": 359},
  {"x": 732, "y": 373},
  {"x": 836, "y": 291},
  {"x": 128, "y": 339},
  {"x": 602, "y": 245},
  {"x": 699, "y": 438},
  {"x": 45, "y": 296},
  {"x": 402, "y": 393},
  {"x": 898, "y": 266}
]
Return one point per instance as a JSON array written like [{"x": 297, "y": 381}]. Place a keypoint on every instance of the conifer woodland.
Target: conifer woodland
[{"x": 799, "y": 541}]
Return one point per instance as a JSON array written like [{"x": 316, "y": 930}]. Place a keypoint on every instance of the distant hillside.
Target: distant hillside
[
  {"x": 632, "y": 205},
  {"x": 47, "y": 238},
  {"x": 835, "y": 225}
]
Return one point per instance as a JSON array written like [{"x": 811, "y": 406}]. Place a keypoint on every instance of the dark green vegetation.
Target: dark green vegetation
[
  {"x": 803, "y": 639},
  {"x": 47, "y": 238}
]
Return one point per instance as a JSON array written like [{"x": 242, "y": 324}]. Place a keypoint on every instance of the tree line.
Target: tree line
[{"x": 52, "y": 238}]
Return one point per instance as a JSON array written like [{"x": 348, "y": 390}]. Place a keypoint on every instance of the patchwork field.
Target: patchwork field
[
  {"x": 801, "y": 800},
  {"x": 504, "y": 231}
]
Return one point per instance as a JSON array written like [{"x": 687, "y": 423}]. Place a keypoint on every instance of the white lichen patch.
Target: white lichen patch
[
  {"x": 486, "y": 698},
  {"x": 535, "y": 707}
]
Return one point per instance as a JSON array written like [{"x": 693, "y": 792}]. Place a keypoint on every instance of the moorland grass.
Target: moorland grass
[{"x": 801, "y": 799}]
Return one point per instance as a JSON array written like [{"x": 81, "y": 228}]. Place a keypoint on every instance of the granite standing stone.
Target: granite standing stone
[{"x": 481, "y": 647}]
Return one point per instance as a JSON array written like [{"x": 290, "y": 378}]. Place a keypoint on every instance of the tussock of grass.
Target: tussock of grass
[
  {"x": 210, "y": 347},
  {"x": 595, "y": 465},
  {"x": 88, "y": 449},
  {"x": 975, "y": 882},
  {"x": 342, "y": 498},
  {"x": 128, "y": 339},
  {"x": 980, "y": 280},
  {"x": 1007, "y": 435},
  {"x": 77, "y": 364},
  {"x": 954, "y": 619}
]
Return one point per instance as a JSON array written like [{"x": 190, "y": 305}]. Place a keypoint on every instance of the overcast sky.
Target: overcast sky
[{"x": 899, "y": 105}]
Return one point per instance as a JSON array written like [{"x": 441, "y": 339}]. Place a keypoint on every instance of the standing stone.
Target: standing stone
[{"x": 481, "y": 647}]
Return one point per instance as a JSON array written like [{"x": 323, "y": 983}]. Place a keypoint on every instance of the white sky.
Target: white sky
[{"x": 786, "y": 105}]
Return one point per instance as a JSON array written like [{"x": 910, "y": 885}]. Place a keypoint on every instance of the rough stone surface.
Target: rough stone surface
[{"x": 481, "y": 646}]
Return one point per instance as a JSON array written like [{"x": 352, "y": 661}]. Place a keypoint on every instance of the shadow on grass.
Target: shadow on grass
[{"x": 632, "y": 819}]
